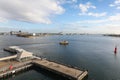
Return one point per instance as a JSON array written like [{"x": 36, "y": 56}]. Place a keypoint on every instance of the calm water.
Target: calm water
[{"x": 92, "y": 52}]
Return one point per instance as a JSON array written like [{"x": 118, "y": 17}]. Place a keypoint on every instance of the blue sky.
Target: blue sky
[{"x": 68, "y": 16}]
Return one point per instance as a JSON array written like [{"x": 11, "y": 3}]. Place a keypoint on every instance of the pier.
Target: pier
[
  {"x": 68, "y": 72},
  {"x": 8, "y": 58},
  {"x": 24, "y": 61},
  {"x": 17, "y": 66}
]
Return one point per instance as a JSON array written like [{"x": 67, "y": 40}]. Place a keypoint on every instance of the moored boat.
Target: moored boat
[{"x": 64, "y": 43}]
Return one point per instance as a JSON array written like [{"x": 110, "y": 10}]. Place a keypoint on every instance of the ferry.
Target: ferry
[{"x": 64, "y": 43}]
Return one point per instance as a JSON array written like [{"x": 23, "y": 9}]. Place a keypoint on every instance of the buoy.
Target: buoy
[{"x": 115, "y": 50}]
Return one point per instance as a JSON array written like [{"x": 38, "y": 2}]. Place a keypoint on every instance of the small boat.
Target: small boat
[{"x": 63, "y": 43}]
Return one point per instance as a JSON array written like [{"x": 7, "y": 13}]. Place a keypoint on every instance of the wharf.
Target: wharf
[
  {"x": 62, "y": 70},
  {"x": 8, "y": 58},
  {"x": 17, "y": 66},
  {"x": 69, "y": 72},
  {"x": 65, "y": 71}
]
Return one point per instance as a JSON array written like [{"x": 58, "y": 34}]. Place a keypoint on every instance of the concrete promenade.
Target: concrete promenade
[
  {"x": 8, "y": 58},
  {"x": 66, "y": 71},
  {"x": 63, "y": 70}
]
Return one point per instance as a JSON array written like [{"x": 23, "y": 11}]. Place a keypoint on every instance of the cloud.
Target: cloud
[
  {"x": 116, "y": 4},
  {"x": 97, "y": 14},
  {"x": 94, "y": 14},
  {"x": 3, "y": 20},
  {"x": 74, "y": 1},
  {"x": 110, "y": 24},
  {"x": 91, "y": 21},
  {"x": 111, "y": 5},
  {"x": 29, "y": 10},
  {"x": 115, "y": 17},
  {"x": 110, "y": 19},
  {"x": 68, "y": 1},
  {"x": 84, "y": 8},
  {"x": 94, "y": 29}
]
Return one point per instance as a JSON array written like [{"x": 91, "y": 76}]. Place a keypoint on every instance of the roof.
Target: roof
[
  {"x": 16, "y": 48},
  {"x": 24, "y": 54},
  {"x": 21, "y": 53}
]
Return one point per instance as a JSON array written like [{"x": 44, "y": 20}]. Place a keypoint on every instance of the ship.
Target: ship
[{"x": 64, "y": 43}]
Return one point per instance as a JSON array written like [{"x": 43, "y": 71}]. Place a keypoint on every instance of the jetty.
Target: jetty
[{"x": 24, "y": 59}]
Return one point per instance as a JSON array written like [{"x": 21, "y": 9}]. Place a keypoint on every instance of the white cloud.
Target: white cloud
[
  {"x": 91, "y": 21},
  {"x": 94, "y": 29},
  {"x": 85, "y": 7},
  {"x": 78, "y": 28},
  {"x": 97, "y": 14},
  {"x": 85, "y": 10},
  {"x": 109, "y": 19},
  {"x": 111, "y": 5},
  {"x": 116, "y": 4},
  {"x": 3, "y": 20},
  {"x": 29, "y": 10},
  {"x": 111, "y": 24},
  {"x": 115, "y": 17},
  {"x": 68, "y": 1},
  {"x": 74, "y": 1},
  {"x": 94, "y": 14}
]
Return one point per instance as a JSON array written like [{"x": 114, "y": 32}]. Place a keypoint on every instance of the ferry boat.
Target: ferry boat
[{"x": 63, "y": 43}]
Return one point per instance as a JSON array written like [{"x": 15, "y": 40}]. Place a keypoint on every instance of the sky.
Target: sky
[{"x": 67, "y": 16}]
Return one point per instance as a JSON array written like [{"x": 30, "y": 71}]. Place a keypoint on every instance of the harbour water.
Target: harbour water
[{"x": 92, "y": 52}]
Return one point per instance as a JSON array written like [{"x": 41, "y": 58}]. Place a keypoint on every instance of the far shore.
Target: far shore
[{"x": 112, "y": 35}]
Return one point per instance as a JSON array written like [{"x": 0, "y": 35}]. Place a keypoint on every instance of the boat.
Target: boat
[{"x": 63, "y": 43}]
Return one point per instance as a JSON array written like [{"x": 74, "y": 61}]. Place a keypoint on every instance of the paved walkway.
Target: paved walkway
[
  {"x": 59, "y": 68},
  {"x": 7, "y": 58}
]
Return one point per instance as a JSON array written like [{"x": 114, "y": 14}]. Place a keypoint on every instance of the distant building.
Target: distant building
[
  {"x": 17, "y": 32},
  {"x": 34, "y": 34},
  {"x": 4, "y": 33},
  {"x": 14, "y": 32}
]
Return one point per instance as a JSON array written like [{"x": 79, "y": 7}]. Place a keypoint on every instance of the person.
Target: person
[{"x": 11, "y": 67}]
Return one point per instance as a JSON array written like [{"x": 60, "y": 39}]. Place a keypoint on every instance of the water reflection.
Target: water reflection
[
  {"x": 94, "y": 53},
  {"x": 39, "y": 74}
]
